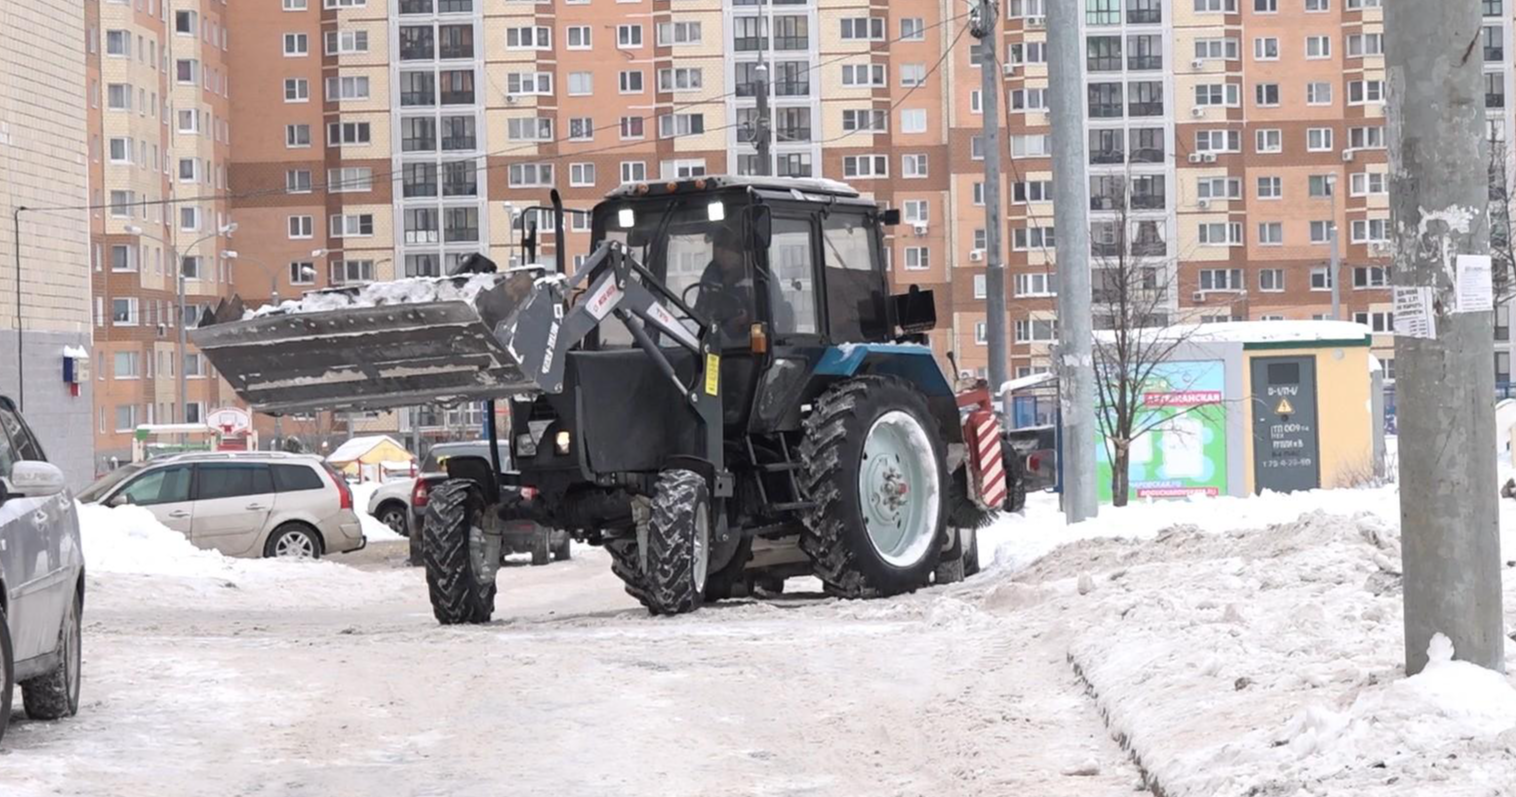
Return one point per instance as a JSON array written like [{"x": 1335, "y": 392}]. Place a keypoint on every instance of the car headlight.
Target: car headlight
[{"x": 561, "y": 443}]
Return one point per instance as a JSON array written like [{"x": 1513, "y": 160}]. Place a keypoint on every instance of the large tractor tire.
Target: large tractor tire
[
  {"x": 626, "y": 563},
  {"x": 461, "y": 560},
  {"x": 1015, "y": 478},
  {"x": 873, "y": 463},
  {"x": 678, "y": 543}
]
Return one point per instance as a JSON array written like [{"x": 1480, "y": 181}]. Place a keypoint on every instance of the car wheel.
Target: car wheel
[
  {"x": 394, "y": 516},
  {"x": 7, "y": 674},
  {"x": 56, "y": 694},
  {"x": 542, "y": 547},
  {"x": 293, "y": 541},
  {"x": 562, "y": 552}
]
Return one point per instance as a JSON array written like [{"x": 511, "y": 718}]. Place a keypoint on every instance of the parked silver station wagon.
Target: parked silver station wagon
[{"x": 249, "y": 504}]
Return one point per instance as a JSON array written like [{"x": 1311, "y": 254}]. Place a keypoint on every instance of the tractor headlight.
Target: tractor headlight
[
  {"x": 525, "y": 446},
  {"x": 715, "y": 211},
  {"x": 561, "y": 443}
]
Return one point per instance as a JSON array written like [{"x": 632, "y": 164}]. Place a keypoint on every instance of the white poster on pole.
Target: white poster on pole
[
  {"x": 1475, "y": 293},
  {"x": 1413, "y": 313}
]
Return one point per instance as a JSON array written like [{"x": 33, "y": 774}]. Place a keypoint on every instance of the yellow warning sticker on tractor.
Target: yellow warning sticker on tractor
[
  {"x": 1284, "y": 407},
  {"x": 712, "y": 373}
]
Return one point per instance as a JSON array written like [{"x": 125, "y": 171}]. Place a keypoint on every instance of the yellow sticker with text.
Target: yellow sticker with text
[{"x": 712, "y": 373}]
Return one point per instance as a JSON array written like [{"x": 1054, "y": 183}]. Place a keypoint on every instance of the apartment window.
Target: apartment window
[
  {"x": 1318, "y": 47},
  {"x": 580, "y": 83},
  {"x": 628, "y": 36},
  {"x": 423, "y": 265},
  {"x": 1321, "y": 231},
  {"x": 352, "y": 272},
  {"x": 1365, "y": 44},
  {"x": 118, "y": 97},
  {"x": 422, "y": 226},
  {"x": 1318, "y": 93},
  {"x": 1037, "y": 330},
  {"x": 676, "y": 33},
  {"x": 1217, "y": 49},
  {"x": 681, "y": 79},
  {"x": 1041, "y": 284},
  {"x": 187, "y": 71},
  {"x": 1371, "y": 276},
  {"x": 917, "y": 258},
  {"x": 122, "y": 204},
  {"x": 632, "y": 127},
  {"x": 1103, "y": 54},
  {"x": 1380, "y": 323},
  {"x": 124, "y": 312},
  {"x": 1219, "y": 188},
  {"x": 302, "y": 272},
  {"x": 531, "y": 175},
  {"x": 186, "y": 23},
  {"x": 1318, "y": 139},
  {"x": 1022, "y": 53},
  {"x": 418, "y": 134},
  {"x": 580, "y": 37},
  {"x": 1033, "y": 146},
  {"x": 1033, "y": 191},
  {"x": 329, "y": 4},
  {"x": 863, "y": 28},
  {"x": 1266, "y": 95},
  {"x": 1266, "y": 48},
  {"x": 1493, "y": 8},
  {"x": 350, "y": 179},
  {"x": 419, "y": 180},
  {"x": 1221, "y": 279},
  {"x": 347, "y": 88},
  {"x": 1217, "y": 94},
  {"x": 863, "y": 75},
  {"x": 418, "y": 89},
  {"x": 1145, "y": 98},
  {"x": 1366, "y": 137},
  {"x": 1271, "y": 233},
  {"x": 455, "y": 41},
  {"x": 1215, "y": 6},
  {"x": 456, "y": 87},
  {"x": 1218, "y": 141},
  {"x": 1494, "y": 89},
  {"x": 979, "y": 193},
  {"x": 341, "y": 134},
  {"x": 1494, "y": 44},
  {"x": 582, "y": 175},
  {"x": 631, "y": 82},
  {"x": 1365, "y": 91},
  {"x": 530, "y": 38},
  {"x": 301, "y": 227},
  {"x": 1269, "y": 141},
  {"x": 913, "y": 166},
  {"x": 1265, "y": 6},
  {"x": 681, "y": 124},
  {"x": 1270, "y": 188},
  {"x": 581, "y": 128},
  {"x": 296, "y": 44},
  {"x": 297, "y": 89},
  {"x": 189, "y": 266},
  {"x": 872, "y": 120},
  {"x": 346, "y": 42},
  {"x": 912, "y": 74},
  {"x": 120, "y": 150},
  {"x": 1319, "y": 186},
  {"x": 1370, "y": 230},
  {"x": 297, "y": 136},
  {"x": 865, "y": 166},
  {"x": 529, "y": 129},
  {"x": 1366, "y": 183},
  {"x": 1221, "y": 234},
  {"x": 118, "y": 43},
  {"x": 1271, "y": 280},
  {"x": 123, "y": 257},
  {"x": 1028, "y": 238}
]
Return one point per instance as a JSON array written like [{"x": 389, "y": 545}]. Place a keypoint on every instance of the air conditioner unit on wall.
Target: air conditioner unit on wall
[
  {"x": 1203, "y": 203},
  {"x": 1009, "y": 69},
  {"x": 1197, "y": 112},
  {"x": 1197, "y": 296},
  {"x": 976, "y": 255},
  {"x": 920, "y": 229},
  {"x": 1195, "y": 157},
  {"x": 1209, "y": 157},
  {"x": 1197, "y": 63},
  {"x": 1347, "y": 156},
  {"x": 1036, "y": 23}
]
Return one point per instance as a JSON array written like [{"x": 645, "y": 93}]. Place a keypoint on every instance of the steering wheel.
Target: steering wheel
[{"x": 725, "y": 304}]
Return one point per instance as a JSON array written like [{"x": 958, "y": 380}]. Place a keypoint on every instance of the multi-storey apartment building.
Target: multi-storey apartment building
[
  {"x": 160, "y": 132},
  {"x": 44, "y": 276}
]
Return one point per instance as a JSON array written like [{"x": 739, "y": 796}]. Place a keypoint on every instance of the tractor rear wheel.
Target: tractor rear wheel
[
  {"x": 873, "y": 463},
  {"x": 461, "y": 559},
  {"x": 626, "y": 563}
]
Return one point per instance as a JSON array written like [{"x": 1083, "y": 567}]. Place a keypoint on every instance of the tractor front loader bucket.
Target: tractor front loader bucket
[{"x": 386, "y": 346}]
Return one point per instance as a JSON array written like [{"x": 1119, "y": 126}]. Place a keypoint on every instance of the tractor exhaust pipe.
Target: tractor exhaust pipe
[{"x": 560, "y": 250}]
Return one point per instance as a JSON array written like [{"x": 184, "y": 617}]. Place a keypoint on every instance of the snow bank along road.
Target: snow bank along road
[{"x": 1239, "y": 647}]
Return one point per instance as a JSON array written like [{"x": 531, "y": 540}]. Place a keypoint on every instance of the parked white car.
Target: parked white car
[
  {"x": 391, "y": 505},
  {"x": 242, "y": 504}
]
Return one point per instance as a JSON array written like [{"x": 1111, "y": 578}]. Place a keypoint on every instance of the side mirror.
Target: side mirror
[
  {"x": 890, "y": 218},
  {"x": 915, "y": 310},
  {"x": 36, "y": 479},
  {"x": 762, "y": 219}
]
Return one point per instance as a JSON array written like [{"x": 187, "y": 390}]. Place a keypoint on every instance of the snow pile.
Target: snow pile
[
  {"x": 132, "y": 559},
  {"x": 412, "y": 290},
  {"x": 372, "y": 528},
  {"x": 1238, "y": 655}
]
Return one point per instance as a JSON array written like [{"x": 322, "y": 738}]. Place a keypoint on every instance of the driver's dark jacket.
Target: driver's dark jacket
[{"x": 720, "y": 310}]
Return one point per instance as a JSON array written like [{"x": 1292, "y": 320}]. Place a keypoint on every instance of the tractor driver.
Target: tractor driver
[{"x": 726, "y": 289}]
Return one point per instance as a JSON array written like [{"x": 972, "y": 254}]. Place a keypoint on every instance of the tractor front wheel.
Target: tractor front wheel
[
  {"x": 874, "y": 466},
  {"x": 461, "y": 558},
  {"x": 678, "y": 543}
]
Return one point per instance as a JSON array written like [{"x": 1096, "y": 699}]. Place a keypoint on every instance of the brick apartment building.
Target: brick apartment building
[{"x": 355, "y": 140}]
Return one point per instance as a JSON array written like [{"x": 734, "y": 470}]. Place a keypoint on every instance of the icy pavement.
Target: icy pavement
[{"x": 1238, "y": 646}]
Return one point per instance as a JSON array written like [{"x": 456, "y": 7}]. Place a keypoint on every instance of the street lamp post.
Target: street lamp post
[
  {"x": 273, "y": 299},
  {"x": 183, "y": 343}
]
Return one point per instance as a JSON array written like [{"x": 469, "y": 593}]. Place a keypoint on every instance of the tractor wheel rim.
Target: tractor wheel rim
[
  {"x": 701, "y": 555},
  {"x": 483, "y": 554},
  {"x": 897, "y": 488},
  {"x": 295, "y": 545}
]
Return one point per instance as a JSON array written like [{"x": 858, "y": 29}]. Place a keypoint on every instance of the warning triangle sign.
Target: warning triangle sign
[{"x": 1284, "y": 407}]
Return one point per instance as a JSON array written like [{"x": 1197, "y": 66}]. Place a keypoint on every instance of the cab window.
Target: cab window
[
  {"x": 855, "y": 298},
  {"x": 162, "y": 486},
  {"x": 230, "y": 481},
  {"x": 792, "y": 277}
]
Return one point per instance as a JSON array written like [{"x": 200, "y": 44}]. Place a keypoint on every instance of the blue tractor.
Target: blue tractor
[{"x": 724, "y": 394}]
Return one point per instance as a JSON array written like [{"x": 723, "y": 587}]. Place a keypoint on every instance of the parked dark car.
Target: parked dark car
[
  {"x": 41, "y": 578},
  {"x": 521, "y": 536}
]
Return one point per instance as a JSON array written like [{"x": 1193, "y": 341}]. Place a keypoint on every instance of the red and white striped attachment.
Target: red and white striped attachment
[{"x": 986, "y": 463}]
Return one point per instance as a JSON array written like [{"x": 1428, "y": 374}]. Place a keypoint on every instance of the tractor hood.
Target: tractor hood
[{"x": 384, "y": 345}]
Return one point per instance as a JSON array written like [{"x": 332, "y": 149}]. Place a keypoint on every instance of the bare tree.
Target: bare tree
[
  {"x": 1502, "y": 249},
  {"x": 1134, "y": 299}
]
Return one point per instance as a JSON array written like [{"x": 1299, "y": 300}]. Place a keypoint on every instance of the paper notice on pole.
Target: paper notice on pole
[
  {"x": 1413, "y": 313},
  {"x": 1475, "y": 293}
]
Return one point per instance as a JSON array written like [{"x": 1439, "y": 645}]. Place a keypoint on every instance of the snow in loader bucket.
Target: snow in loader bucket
[{"x": 380, "y": 346}]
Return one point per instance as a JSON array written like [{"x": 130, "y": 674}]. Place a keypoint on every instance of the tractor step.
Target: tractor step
[
  {"x": 778, "y": 467},
  {"x": 794, "y": 506}
]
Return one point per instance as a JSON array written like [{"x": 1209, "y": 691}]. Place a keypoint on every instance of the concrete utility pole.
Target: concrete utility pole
[
  {"x": 1438, "y": 198},
  {"x": 1071, "y": 220},
  {"x": 762, "y": 129},
  {"x": 982, "y": 21},
  {"x": 1336, "y": 261}
]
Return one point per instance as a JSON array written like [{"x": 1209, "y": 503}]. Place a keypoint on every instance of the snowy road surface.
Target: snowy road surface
[
  {"x": 1240, "y": 646},
  {"x": 198, "y": 690}
]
